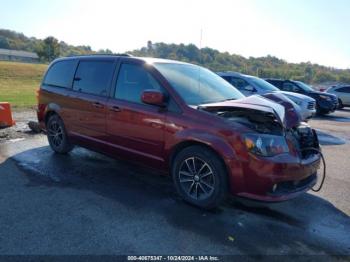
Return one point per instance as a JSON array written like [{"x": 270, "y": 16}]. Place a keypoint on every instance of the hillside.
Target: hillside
[
  {"x": 19, "y": 81},
  {"x": 268, "y": 66}
]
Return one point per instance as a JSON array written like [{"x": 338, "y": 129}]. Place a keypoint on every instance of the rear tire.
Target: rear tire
[
  {"x": 340, "y": 104},
  {"x": 200, "y": 177},
  {"x": 57, "y": 135}
]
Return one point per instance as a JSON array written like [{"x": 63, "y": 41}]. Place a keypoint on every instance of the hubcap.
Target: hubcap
[
  {"x": 55, "y": 133},
  {"x": 196, "y": 178}
]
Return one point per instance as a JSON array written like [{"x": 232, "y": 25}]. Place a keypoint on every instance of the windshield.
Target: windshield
[
  {"x": 197, "y": 85},
  {"x": 304, "y": 86},
  {"x": 263, "y": 84}
]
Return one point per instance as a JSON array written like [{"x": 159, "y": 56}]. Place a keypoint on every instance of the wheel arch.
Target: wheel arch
[
  {"x": 51, "y": 109},
  {"x": 188, "y": 143}
]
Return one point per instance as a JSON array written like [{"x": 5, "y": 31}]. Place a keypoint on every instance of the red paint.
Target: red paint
[{"x": 150, "y": 136}]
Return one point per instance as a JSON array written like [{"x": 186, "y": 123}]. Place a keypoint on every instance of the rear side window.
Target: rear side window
[
  {"x": 61, "y": 74},
  {"x": 132, "y": 81},
  {"x": 345, "y": 89},
  {"x": 94, "y": 77}
]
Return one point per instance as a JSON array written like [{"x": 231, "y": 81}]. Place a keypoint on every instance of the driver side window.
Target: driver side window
[
  {"x": 132, "y": 80},
  {"x": 240, "y": 84},
  {"x": 290, "y": 87}
]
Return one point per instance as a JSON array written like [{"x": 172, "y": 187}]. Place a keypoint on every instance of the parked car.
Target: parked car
[
  {"x": 159, "y": 113},
  {"x": 251, "y": 85},
  {"x": 343, "y": 94},
  {"x": 325, "y": 103}
]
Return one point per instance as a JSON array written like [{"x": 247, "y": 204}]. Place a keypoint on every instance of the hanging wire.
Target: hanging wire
[{"x": 324, "y": 166}]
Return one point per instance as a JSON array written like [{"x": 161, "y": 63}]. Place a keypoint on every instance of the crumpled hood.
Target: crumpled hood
[{"x": 278, "y": 104}]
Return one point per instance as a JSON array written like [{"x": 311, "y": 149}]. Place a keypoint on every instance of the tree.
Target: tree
[
  {"x": 49, "y": 49},
  {"x": 4, "y": 43},
  {"x": 309, "y": 73}
]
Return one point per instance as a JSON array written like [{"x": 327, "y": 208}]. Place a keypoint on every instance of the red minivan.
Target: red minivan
[{"x": 183, "y": 120}]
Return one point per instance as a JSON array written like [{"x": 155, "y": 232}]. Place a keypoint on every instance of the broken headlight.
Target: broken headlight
[{"x": 266, "y": 145}]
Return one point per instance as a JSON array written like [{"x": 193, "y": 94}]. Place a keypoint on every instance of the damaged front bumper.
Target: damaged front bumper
[{"x": 276, "y": 178}]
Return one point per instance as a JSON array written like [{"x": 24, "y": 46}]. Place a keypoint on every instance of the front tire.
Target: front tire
[
  {"x": 340, "y": 104},
  {"x": 57, "y": 135},
  {"x": 200, "y": 177}
]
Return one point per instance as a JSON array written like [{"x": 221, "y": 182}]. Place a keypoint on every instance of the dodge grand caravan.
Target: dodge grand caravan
[{"x": 183, "y": 120}]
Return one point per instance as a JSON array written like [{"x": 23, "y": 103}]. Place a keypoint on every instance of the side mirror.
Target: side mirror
[
  {"x": 153, "y": 97},
  {"x": 249, "y": 89}
]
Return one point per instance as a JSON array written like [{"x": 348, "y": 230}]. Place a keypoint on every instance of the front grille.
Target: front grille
[
  {"x": 289, "y": 187},
  {"x": 311, "y": 105}
]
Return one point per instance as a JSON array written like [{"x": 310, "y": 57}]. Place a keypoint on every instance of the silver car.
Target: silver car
[
  {"x": 343, "y": 93},
  {"x": 251, "y": 85}
]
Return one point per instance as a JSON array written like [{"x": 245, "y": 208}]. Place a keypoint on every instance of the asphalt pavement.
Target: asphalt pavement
[{"x": 85, "y": 203}]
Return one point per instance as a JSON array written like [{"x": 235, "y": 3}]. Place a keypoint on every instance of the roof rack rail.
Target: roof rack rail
[
  {"x": 101, "y": 54},
  {"x": 123, "y": 54},
  {"x": 114, "y": 54}
]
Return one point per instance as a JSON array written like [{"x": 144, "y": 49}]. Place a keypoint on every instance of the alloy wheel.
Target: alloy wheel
[
  {"x": 196, "y": 178},
  {"x": 55, "y": 133}
]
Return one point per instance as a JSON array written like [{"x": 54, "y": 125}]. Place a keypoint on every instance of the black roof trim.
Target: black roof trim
[{"x": 94, "y": 55}]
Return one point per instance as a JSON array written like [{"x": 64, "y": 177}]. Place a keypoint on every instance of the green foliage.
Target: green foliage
[
  {"x": 49, "y": 49},
  {"x": 268, "y": 66}
]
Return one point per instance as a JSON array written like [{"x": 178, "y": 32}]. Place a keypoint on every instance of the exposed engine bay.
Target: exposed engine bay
[{"x": 261, "y": 122}]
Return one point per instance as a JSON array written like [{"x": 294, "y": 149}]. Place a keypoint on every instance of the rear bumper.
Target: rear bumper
[{"x": 274, "y": 179}]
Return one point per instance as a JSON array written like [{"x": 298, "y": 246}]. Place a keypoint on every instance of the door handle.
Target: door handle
[
  {"x": 115, "y": 109},
  {"x": 97, "y": 105}
]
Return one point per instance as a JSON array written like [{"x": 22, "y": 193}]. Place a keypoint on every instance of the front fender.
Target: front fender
[{"x": 195, "y": 136}]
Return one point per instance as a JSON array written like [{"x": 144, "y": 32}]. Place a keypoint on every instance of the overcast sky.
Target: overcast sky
[{"x": 295, "y": 30}]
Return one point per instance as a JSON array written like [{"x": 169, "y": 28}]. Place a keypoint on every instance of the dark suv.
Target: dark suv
[
  {"x": 325, "y": 103},
  {"x": 181, "y": 119}
]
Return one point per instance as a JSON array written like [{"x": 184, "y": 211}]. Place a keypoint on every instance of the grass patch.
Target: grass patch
[{"x": 19, "y": 81}]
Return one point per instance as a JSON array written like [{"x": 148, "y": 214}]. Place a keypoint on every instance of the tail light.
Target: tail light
[
  {"x": 41, "y": 107},
  {"x": 37, "y": 94}
]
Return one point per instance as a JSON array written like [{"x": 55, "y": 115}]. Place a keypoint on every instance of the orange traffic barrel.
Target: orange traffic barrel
[{"x": 6, "y": 115}]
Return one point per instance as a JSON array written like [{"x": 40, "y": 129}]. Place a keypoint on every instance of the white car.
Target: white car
[
  {"x": 343, "y": 93},
  {"x": 251, "y": 85}
]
